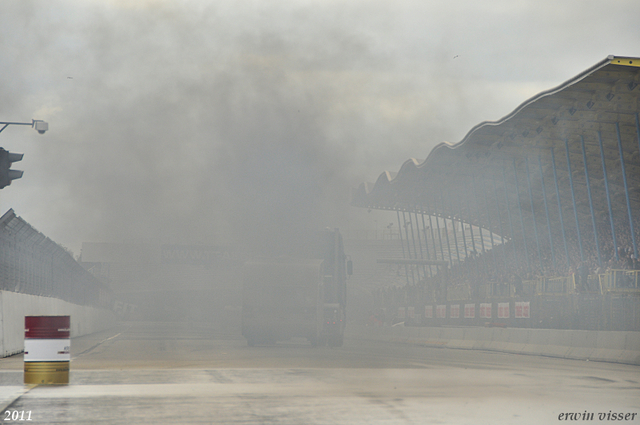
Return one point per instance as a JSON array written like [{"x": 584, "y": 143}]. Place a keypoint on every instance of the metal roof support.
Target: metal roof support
[
  {"x": 533, "y": 213},
  {"x": 424, "y": 268},
  {"x": 406, "y": 232},
  {"x": 638, "y": 130},
  {"x": 426, "y": 240},
  {"x": 455, "y": 238},
  {"x": 626, "y": 191},
  {"x": 486, "y": 206},
  {"x": 524, "y": 237},
  {"x": 638, "y": 134},
  {"x": 434, "y": 240},
  {"x": 446, "y": 235},
  {"x": 473, "y": 242},
  {"x": 506, "y": 199},
  {"x": 573, "y": 198},
  {"x": 606, "y": 188},
  {"x": 439, "y": 237},
  {"x": 593, "y": 216},
  {"x": 546, "y": 209},
  {"x": 564, "y": 234},
  {"x": 464, "y": 238},
  {"x": 504, "y": 251},
  {"x": 413, "y": 240},
  {"x": 481, "y": 263},
  {"x": 406, "y": 270},
  {"x": 475, "y": 195},
  {"x": 435, "y": 252},
  {"x": 446, "y": 231}
]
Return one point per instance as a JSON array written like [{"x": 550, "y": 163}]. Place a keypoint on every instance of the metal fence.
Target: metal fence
[{"x": 31, "y": 263}]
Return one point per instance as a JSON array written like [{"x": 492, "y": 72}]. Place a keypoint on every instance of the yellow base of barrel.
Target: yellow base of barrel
[{"x": 47, "y": 373}]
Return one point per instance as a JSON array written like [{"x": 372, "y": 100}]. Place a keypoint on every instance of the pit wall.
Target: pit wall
[
  {"x": 15, "y": 306},
  {"x": 609, "y": 346}
]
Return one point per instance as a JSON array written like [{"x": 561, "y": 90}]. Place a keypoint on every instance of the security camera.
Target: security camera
[{"x": 40, "y": 126}]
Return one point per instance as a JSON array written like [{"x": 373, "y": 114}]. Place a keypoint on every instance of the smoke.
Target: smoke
[
  {"x": 250, "y": 122},
  {"x": 175, "y": 123}
]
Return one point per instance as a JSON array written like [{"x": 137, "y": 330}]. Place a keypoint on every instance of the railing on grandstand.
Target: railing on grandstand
[
  {"x": 555, "y": 285},
  {"x": 620, "y": 281},
  {"x": 458, "y": 292},
  {"x": 611, "y": 281}
]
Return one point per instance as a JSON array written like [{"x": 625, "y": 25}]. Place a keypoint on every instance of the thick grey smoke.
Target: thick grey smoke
[
  {"x": 178, "y": 124},
  {"x": 249, "y": 121}
]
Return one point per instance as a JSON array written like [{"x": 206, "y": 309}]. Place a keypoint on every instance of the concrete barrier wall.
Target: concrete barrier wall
[
  {"x": 610, "y": 346},
  {"x": 15, "y": 306}
]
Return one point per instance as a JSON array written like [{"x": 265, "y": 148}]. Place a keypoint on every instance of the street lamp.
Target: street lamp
[{"x": 7, "y": 158}]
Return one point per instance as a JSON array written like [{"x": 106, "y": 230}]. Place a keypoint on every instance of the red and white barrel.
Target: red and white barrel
[{"x": 47, "y": 346}]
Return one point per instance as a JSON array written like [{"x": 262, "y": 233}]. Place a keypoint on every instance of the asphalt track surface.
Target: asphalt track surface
[{"x": 180, "y": 373}]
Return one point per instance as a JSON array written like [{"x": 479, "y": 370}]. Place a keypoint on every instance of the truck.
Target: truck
[{"x": 298, "y": 296}]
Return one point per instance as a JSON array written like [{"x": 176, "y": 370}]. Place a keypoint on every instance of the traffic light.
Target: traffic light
[{"x": 6, "y": 173}]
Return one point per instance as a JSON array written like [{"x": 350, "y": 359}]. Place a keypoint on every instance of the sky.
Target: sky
[{"x": 248, "y": 122}]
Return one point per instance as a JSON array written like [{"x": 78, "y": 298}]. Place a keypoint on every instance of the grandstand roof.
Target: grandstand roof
[{"x": 475, "y": 180}]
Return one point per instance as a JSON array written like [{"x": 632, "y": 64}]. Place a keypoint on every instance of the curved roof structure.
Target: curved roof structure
[{"x": 509, "y": 176}]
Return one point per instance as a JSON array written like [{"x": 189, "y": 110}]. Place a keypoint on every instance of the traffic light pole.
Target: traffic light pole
[{"x": 7, "y": 158}]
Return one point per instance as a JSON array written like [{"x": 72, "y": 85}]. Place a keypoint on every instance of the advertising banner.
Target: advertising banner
[
  {"x": 503, "y": 310},
  {"x": 428, "y": 312},
  {"x": 522, "y": 310},
  {"x": 469, "y": 311},
  {"x": 485, "y": 311},
  {"x": 454, "y": 311}
]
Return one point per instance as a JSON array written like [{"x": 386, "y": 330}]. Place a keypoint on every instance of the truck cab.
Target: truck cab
[{"x": 303, "y": 296}]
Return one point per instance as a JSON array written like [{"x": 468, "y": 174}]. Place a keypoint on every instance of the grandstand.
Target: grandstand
[{"x": 556, "y": 187}]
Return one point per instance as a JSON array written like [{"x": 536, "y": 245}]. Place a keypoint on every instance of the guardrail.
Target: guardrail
[
  {"x": 31, "y": 263},
  {"x": 621, "y": 281}
]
